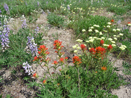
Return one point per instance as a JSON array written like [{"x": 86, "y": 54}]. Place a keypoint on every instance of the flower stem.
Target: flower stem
[{"x": 78, "y": 79}]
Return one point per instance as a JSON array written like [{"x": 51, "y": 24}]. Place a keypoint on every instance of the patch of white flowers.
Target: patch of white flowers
[
  {"x": 83, "y": 30},
  {"x": 79, "y": 40},
  {"x": 123, "y": 47},
  {"x": 90, "y": 30},
  {"x": 108, "y": 26},
  {"x": 109, "y": 23}
]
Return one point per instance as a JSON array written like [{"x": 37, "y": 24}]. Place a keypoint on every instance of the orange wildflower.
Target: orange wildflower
[
  {"x": 83, "y": 47},
  {"x": 101, "y": 42},
  {"x": 103, "y": 68},
  {"x": 42, "y": 48},
  {"x": 57, "y": 44},
  {"x": 35, "y": 75},
  {"x": 55, "y": 62},
  {"x": 60, "y": 69},
  {"x": 58, "y": 84},
  {"x": 76, "y": 60},
  {"x": 66, "y": 58},
  {"x": 44, "y": 81},
  {"x": 92, "y": 50},
  {"x": 61, "y": 60},
  {"x": 112, "y": 20},
  {"x": 35, "y": 58},
  {"x": 109, "y": 47}
]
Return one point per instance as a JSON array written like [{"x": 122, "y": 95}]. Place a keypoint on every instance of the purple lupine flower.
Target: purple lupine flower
[
  {"x": 24, "y": 25},
  {"x": 32, "y": 46},
  {"x": 38, "y": 3},
  {"x": 125, "y": 0},
  {"x": 119, "y": 21},
  {"x": 98, "y": 1},
  {"x": 25, "y": 3},
  {"x": 47, "y": 2},
  {"x": 43, "y": 12},
  {"x": 28, "y": 69},
  {"x": 125, "y": 27},
  {"x": 4, "y": 37},
  {"x": 68, "y": 7},
  {"x": 0, "y": 11},
  {"x": 6, "y": 7},
  {"x": 0, "y": 23},
  {"x": 36, "y": 30}
]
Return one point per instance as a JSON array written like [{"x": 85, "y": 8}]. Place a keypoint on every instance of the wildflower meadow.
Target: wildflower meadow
[{"x": 65, "y": 49}]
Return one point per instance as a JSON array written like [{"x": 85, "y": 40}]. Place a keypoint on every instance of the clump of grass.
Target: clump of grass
[
  {"x": 55, "y": 20},
  {"x": 117, "y": 10},
  {"x": 87, "y": 22},
  {"x": 127, "y": 67}
]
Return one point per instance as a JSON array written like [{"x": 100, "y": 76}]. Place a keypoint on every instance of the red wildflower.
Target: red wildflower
[
  {"x": 44, "y": 81},
  {"x": 57, "y": 44},
  {"x": 55, "y": 62},
  {"x": 112, "y": 20},
  {"x": 35, "y": 58},
  {"x": 42, "y": 48},
  {"x": 98, "y": 49},
  {"x": 109, "y": 47},
  {"x": 83, "y": 47},
  {"x": 47, "y": 52},
  {"x": 92, "y": 50},
  {"x": 101, "y": 42},
  {"x": 66, "y": 58},
  {"x": 76, "y": 60},
  {"x": 35, "y": 75},
  {"x": 48, "y": 59},
  {"x": 62, "y": 60},
  {"x": 39, "y": 52},
  {"x": 103, "y": 68},
  {"x": 129, "y": 22}
]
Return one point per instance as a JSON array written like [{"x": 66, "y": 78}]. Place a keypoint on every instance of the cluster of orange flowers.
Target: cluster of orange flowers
[
  {"x": 97, "y": 52},
  {"x": 100, "y": 51}
]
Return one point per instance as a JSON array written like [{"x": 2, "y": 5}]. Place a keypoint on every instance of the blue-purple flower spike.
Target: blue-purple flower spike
[
  {"x": 0, "y": 11},
  {"x": 36, "y": 30},
  {"x": 24, "y": 25},
  {"x": 4, "y": 37},
  {"x": 32, "y": 46},
  {"x": 27, "y": 68},
  {"x": 6, "y": 7}
]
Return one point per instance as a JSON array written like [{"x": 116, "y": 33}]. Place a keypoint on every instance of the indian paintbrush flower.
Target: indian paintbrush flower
[
  {"x": 103, "y": 68},
  {"x": 76, "y": 60},
  {"x": 101, "y": 42}
]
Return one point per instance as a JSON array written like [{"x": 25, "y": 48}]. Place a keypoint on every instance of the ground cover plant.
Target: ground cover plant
[{"x": 92, "y": 73}]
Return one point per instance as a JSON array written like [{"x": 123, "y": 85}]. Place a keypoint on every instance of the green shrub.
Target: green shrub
[{"x": 55, "y": 20}]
